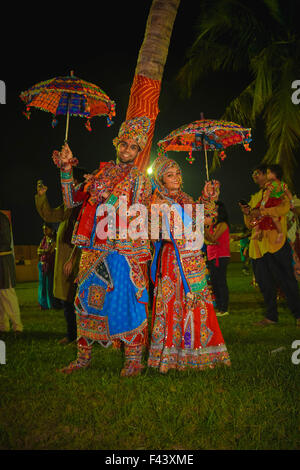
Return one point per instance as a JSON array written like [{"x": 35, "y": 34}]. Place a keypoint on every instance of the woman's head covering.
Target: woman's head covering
[
  {"x": 161, "y": 165},
  {"x": 136, "y": 129}
]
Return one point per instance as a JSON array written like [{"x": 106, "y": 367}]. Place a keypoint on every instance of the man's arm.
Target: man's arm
[
  {"x": 47, "y": 213},
  {"x": 65, "y": 161},
  {"x": 70, "y": 263},
  {"x": 277, "y": 211}
]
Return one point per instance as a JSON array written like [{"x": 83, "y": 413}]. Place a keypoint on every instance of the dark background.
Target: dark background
[{"x": 101, "y": 45}]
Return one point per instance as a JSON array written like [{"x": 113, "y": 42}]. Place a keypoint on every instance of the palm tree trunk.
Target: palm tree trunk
[{"x": 145, "y": 89}]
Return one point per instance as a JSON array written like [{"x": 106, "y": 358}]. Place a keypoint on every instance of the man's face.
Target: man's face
[
  {"x": 259, "y": 177},
  {"x": 127, "y": 151},
  {"x": 270, "y": 175}
]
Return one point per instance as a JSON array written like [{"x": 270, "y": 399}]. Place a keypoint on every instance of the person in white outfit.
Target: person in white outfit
[{"x": 9, "y": 304}]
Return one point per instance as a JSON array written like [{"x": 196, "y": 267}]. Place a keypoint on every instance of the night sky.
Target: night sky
[{"x": 101, "y": 46}]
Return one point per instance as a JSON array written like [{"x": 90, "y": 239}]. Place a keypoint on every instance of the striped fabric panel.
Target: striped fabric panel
[{"x": 143, "y": 101}]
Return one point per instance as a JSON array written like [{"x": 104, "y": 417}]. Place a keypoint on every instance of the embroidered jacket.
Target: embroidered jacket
[
  {"x": 189, "y": 256},
  {"x": 126, "y": 186}
]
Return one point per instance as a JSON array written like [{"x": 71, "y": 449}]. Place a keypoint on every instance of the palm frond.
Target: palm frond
[
  {"x": 282, "y": 120},
  {"x": 261, "y": 36},
  {"x": 263, "y": 66},
  {"x": 223, "y": 25},
  {"x": 215, "y": 162},
  {"x": 240, "y": 108}
]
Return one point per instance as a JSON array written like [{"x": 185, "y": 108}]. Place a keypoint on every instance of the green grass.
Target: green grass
[{"x": 254, "y": 404}]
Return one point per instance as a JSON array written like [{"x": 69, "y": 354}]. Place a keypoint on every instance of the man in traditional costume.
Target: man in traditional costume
[{"x": 112, "y": 297}]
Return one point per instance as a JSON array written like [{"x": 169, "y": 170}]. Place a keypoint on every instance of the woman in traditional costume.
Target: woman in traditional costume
[
  {"x": 218, "y": 257},
  {"x": 185, "y": 330},
  {"x": 46, "y": 254}
]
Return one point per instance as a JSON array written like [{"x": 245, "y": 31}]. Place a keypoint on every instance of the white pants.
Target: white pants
[{"x": 9, "y": 310}]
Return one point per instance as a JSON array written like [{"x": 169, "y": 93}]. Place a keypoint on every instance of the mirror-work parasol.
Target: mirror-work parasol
[
  {"x": 70, "y": 96},
  {"x": 206, "y": 134}
]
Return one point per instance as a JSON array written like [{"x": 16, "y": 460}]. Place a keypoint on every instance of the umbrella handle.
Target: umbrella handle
[
  {"x": 67, "y": 121},
  {"x": 206, "y": 163},
  {"x": 67, "y": 126}
]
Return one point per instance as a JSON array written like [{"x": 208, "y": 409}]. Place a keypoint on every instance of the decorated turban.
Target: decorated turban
[{"x": 136, "y": 129}]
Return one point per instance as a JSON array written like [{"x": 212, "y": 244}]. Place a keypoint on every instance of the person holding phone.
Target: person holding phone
[{"x": 272, "y": 262}]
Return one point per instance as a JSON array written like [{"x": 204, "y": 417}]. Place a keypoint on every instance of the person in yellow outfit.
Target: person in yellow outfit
[
  {"x": 271, "y": 261},
  {"x": 67, "y": 256}
]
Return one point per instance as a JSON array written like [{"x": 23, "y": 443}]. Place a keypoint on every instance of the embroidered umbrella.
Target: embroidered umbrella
[
  {"x": 206, "y": 134},
  {"x": 69, "y": 95}
]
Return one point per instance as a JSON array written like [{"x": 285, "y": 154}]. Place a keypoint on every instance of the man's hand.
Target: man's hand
[
  {"x": 41, "y": 188},
  {"x": 68, "y": 266},
  {"x": 64, "y": 159},
  {"x": 255, "y": 213},
  {"x": 245, "y": 209}
]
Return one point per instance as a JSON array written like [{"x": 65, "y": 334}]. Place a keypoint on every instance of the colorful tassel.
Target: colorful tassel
[
  {"x": 27, "y": 113},
  {"x": 190, "y": 158},
  {"x": 109, "y": 122},
  {"x": 88, "y": 125},
  {"x": 54, "y": 122}
]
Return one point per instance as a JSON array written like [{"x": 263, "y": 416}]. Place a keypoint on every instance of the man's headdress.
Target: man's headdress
[{"x": 136, "y": 129}]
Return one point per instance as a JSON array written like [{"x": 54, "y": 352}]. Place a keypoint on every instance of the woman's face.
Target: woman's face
[{"x": 172, "y": 179}]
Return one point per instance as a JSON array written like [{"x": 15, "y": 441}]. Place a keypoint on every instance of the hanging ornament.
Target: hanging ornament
[
  {"x": 54, "y": 121},
  {"x": 88, "y": 125},
  {"x": 190, "y": 157},
  {"x": 27, "y": 113}
]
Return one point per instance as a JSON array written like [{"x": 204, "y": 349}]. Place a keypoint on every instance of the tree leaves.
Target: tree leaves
[{"x": 261, "y": 36}]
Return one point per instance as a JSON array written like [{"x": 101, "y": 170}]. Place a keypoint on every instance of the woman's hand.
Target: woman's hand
[
  {"x": 212, "y": 189},
  {"x": 245, "y": 209}
]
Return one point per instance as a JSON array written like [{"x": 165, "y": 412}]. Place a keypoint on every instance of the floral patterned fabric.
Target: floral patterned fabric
[
  {"x": 184, "y": 335},
  {"x": 109, "y": 304}
]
